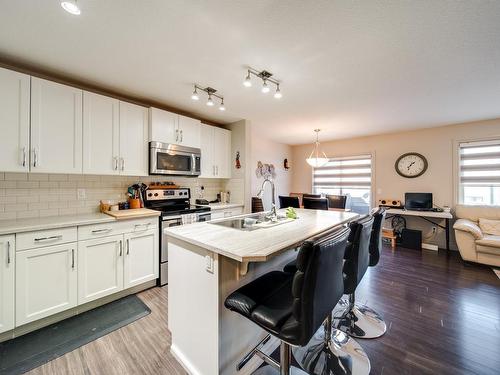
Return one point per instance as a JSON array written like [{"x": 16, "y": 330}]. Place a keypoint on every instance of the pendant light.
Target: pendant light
[
  {"x": 71, "y": 7},
  {"x": 317, "y": 158}
]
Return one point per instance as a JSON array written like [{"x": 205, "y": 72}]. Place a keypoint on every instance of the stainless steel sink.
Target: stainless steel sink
[{"x": 252, "y": 222}]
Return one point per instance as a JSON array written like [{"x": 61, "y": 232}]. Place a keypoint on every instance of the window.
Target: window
[
  {"x": 350, "y": 176},
  {"x": 480, "y": 172}
]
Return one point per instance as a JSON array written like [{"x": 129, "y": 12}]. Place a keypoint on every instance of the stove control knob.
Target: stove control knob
[
  {"x": 156, "y": 194},
  {"x": 150, "y": 194}
]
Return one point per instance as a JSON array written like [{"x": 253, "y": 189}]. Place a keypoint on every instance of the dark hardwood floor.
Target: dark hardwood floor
[{"x": 443, "y": 317}]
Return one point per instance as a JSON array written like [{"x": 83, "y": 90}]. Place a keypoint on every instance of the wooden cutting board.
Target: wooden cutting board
[{"x": 133, "y": 213}]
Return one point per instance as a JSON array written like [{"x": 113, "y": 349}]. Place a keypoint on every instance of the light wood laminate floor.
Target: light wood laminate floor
[{"x": 142, "y": 347}]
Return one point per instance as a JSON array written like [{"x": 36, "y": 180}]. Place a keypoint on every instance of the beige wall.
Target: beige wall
[
  {"x": 436, "y": 144},
  {"x": 269, "y": 152}
]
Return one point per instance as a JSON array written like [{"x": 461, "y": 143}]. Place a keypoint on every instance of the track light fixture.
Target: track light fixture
[
  {"x": 211, "y": 92},
  {"x": 266, "y": 78}
]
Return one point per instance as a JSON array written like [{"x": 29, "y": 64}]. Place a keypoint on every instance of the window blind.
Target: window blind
[
  {"x": 480, "y": 163},
  {"x": 349, "y": 172}
]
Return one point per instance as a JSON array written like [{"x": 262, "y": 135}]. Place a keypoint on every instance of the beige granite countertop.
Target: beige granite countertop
[
  {"x": 260, "y": 244},
  {"x": 53, "y": 222}
]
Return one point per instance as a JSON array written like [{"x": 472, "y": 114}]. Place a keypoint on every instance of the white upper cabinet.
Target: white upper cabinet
[
  {"x": 133, "y": 140},
  {"x": 167, "y": 127},
  {"x": 115, "y": 136},
  {"x": 14, "y": 121},
  {"x": 207, "y": 151},
  {"x": 56, "y": 127},
  {"x": 189, "y": 131},
  {"x": 101, "y": 131},
  {"x": 222, "y": 153},
  {"x": 215, "y": 152},
  {"x": 7, "y": 282},
  {"x": 163, "y": 126}
]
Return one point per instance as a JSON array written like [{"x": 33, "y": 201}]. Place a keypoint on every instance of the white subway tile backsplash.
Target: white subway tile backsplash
[{"x": 40, "y": 195}]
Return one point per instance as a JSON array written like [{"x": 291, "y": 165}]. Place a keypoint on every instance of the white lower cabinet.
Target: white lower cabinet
[
  {"x": 141, "y": 257},
  {"x": 7, "y": 282},
  {"x": 229, "y": 212},
  {"x": 46, "y": 281},
  {"x": 100, "y": 268}
]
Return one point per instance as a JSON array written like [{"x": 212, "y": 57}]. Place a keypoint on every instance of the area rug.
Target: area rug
[{"x": 29, "y": 351}]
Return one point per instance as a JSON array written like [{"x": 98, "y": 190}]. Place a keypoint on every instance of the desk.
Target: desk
[{"x": 426, "y": 215}]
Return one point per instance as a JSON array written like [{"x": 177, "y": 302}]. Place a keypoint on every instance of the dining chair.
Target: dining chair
[
  {"x": 315, "y": 203},
  {"x": 286, "y": 202},
  {"x": 337, "y": 201}
]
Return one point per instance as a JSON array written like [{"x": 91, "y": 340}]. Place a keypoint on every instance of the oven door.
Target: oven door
[
  {"x": 204, "y": 216},
  {"x": 170, "y": 159}
]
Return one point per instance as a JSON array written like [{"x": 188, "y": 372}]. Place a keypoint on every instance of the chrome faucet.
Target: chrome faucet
[{"x": 273, "y": 215}]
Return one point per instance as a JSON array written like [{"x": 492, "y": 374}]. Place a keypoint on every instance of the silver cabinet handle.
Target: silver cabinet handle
[
  {"x": 115, "y": 162},
  {"x": 35, "y": 158},
  {"x": 181, "y": 136},
  {"x": 24, "y": 156},
  {"x": 177, "y": 135},
  {"x": 123, "y": 164},
  {"x": 97, "y": 231},
  {"x": 73, "y": 258},
  {"x": 47, "y": 239},
  {"x": 217, "y": 169},
  {"x": 8, "y": 252},
  {"x": 214, "y": 170},
  {"x": 128, "y": 246},
  {"x": 121, "y": 248},
  {"x": 146, "y": 226}
]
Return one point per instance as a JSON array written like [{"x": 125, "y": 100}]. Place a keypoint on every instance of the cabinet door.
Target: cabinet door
[
  {"x": 100, "y": 134},
  {"x": 163, "y": 126},
  {"x": 56, "y": 127},
  {"x": 207, "y": 151},
  {"x": 141, "y": 257},
  {"x": 100, "y": 268},
  {"x": 7, "y": 264},
  {"x": 222, "y": 152},
  {"x": 189, "y": 131},
  {"x": 46, "y": 282},
  {"x": 14, "y": 121},
  {"x": 133, "y": 140}
]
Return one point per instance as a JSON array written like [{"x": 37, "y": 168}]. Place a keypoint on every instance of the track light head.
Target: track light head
[
  {"x": 195, "y": 96},
  {"x": 265, "y": 87},
  {"x": 222, "y": 107},
  {"x": 247, "y": 82},
  {"x": 210, "y": 102},
  {"x": 278, "y": 94}
]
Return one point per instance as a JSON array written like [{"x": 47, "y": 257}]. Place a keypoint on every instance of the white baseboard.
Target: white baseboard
[
  {"x": 183, "y": 361},
  {"x": 429, "y": 246}
]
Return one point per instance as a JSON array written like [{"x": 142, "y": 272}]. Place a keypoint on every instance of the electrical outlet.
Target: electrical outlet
[
  {"x": 81, "y": 194},
  {"x": 434, "y": 230},
  {"x": 209, "y": 263}
]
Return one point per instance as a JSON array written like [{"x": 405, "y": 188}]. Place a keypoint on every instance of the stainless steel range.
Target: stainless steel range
[{"x": 175, "y": 210}]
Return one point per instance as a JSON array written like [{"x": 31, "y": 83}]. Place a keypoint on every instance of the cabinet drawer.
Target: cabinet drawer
[
  {"x": 140, "y": 225},
  {"x": 88, "y": 232},
  {"x": 42, "y": 238}
]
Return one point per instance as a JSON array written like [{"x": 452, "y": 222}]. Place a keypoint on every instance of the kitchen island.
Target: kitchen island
[{"x": 207, "y": 261}]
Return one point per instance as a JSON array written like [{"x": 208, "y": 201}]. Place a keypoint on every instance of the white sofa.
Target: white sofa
[{"x": 473, "y": 244}]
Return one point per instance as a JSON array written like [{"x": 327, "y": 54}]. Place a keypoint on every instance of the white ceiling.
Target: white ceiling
[{"x": 348, "y": 67}]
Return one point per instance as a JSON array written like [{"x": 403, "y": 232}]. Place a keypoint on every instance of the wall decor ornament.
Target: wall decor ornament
[
  {"x": 238, "y": 164},
  {"x": 265, "y": 170}
]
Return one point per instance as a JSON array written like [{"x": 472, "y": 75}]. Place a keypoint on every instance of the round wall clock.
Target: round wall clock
[{"x": 411, "y": 165}]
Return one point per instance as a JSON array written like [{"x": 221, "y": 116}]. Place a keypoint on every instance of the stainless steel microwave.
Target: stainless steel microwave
[{"x": 171, "y": 159}]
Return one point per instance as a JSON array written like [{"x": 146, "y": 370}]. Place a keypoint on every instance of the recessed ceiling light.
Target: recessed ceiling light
[{"x": 71, "y": 7}]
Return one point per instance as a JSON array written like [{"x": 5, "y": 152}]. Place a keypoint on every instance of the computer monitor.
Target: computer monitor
[{"x": 418, "y": 201}]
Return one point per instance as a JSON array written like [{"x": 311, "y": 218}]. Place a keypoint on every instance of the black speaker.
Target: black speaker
[{"x": 411, "y": 239}]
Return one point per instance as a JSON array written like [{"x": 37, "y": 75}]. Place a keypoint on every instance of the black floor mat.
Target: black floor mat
[{"x": 29, "y": 351}]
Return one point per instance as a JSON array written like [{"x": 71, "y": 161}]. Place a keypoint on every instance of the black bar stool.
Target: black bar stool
[
  {"x": 360, "y": 320},
  {"x": 315, "y": 203},
  {"x": 292, "y": 306},
  {"x": 286, "y": 202}
]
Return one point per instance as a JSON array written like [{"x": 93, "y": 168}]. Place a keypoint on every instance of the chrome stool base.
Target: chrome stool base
[
  {"x": 360, "y": 321},
  {"x": 341, "y": 355},
  {"x": 270, "y": 370}
]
